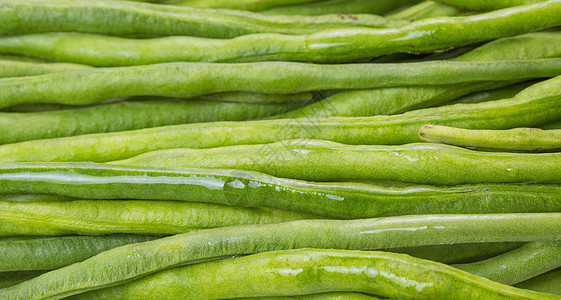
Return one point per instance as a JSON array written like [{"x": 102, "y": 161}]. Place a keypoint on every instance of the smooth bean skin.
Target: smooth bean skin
[
  {"x": 87, "y": 217},
  {"x": 488, "y": 4},
  {"x": 317, "y": 160},
  {"x": 517, "y": 140},
  {"x": 458, "y": 253},
  {"x": 549, "y": 282},
  {"x": 320, "y": 296},
  {"x": 48, "y": 253},
  {"x": 495, "y": 94},
  {"x": 365, "y": 234},
  {"x": 128, "y": 115},
  {"x": 423, "y": 10},
  {"x": 313, "y": 270},
  {"x": 249, "y": 189},
  {"x": 194, "y": 79},
  {"x": 535, "y": 105},
  {"x": 251, "y": 5},
  {"x": 524, "y": 263},
  {"x": 145, "y": 19},
  {"x": 12, "y": 68},
  {"x": 339, "y": 7},
  {"x": 398, "y": 100}
]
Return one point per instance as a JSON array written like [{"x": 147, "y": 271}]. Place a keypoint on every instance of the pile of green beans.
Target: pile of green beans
[{"x": 280, "y": 149}]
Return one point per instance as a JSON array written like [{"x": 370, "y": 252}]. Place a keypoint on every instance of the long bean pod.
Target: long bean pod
[
  {"x": 398, "y": 100},
  {"x": 194, "y": 79},
  {"x": 241, "y": 188},
  {"x": 308, "y": 271},
  {"x": 251, "y": 5},
  {"x": 495, "y": 94},
  {"x": 518, "y": 139},
  {"x": 127, "y": 18},
  {"x": 11, "y": 68},
  {"x": 549, "y": 282},
  {"x": 320, "y": 296},
  {"x": 488, "y": 4},
  {"x": 315, "y": 160},
  {"x": 518, "y": 265},
  {"x": 458, "y": 253},
  {"x": 423, "y": 10},
  {"x": 339, "y": 7},
  {"x": 48, "y": 253},
  {"x": 130, "y": 216},
  {"x": 535, "y": 105},
  {"x": 129, "y": 115},
  {"x": 366, "y": 234}
]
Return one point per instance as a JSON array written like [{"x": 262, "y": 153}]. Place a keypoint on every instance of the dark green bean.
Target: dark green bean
[
  {"x": 377, "y": 7},
  {"x": 307, "y": 271},
  {"x": 535, "y": 105},
  {"x": 495, "y": 94},
  {"x": 18, "y": 127},
  {"x": 516, "y": 140},
  {"x": 423, "y": 10},
  {"x": 48, "y": 253},
  {"x": 524, "y": 263},
  {"x": 193, "y": 79},
  {"x": 119, "y": 265},
  {"x": 12, "y": 278},
  {"x": 88, "y": 217},
  {"x": 548, "y": 283},
  {"x": 128, "y": 18},
  {"x": 552, "y": 125}
]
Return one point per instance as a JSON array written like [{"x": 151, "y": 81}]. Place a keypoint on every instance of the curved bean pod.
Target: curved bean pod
[
  {"x": 398, "y": 100},
  {"x": 535, "y": 105},
  {"x": 129, "y": 115},
  {"x": 488, "y": 4},
  {"x": 145, "y": 19},
  {"x": 311, "y": 271},
  {"x": 547, "y": 283},
  {"x": 366, "y": 234},
  {"x": 130, "y": 216},
  {"x": 495, "y": 94},
  {"x": 48, "y": 253},
  {"x": 193, "y": 79},
  {"x": 518, "y": 139},
  {"x": 324, "y": 7},
  {"x": 12, "y": 68},
  {"x": 524, "y": 263},
  {"x": 240, "y": 188},
  {"x": 315, "y": 160}
]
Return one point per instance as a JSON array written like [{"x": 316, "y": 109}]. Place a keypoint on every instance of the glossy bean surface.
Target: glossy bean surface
[
  {"x": 309, "y": 271},
  {"x": 365, "y": 234}
]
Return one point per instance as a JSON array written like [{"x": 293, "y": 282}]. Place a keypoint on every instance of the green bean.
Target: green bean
[
  {"x": 119, "y": 265},
  {"x": 321, "y": 296},
  {"x": 488, "y": 4},
  {"x": 423, "y": 10},
  {"x": 458, "y": 253},
  {"x": 193, "y": 79},
  {"x": 548, "y": 283},
  {"x": 48, "y": 253},
  {"x": 128, "y": 18},
  {"x": 18, "y": 127},
  {"x": 339, "y": 7},
  {"x": 243, "y": 4},
  {"x": 524, "y": 263},
  {"x": 517, "y": 140},
  {"x": 12, "y": 278},
  {"x": 496, "y": 94},
  {"x": 129, "y": 216},
  {"x": 314, "y": 270},
  {"x": 11, "y": 68},
  {"x": 248, "y": 189},
  {"x": 535, "y": 105},
  {"x": 314, "y": 160},
  {"x": 398, "y": 100}
]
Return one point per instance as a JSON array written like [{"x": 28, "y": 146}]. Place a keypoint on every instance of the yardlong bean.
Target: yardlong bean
[
  {"x": 458, "y": 253},
  {"x": 249, "y": 189},
  {"x": 321, "y": 296},
  {"x": 308, "y": 271},
  {"x": 48, "y": 253},
  {"x": 524, "y": 263},
  {"x": 18, "y": 127},
  {"x": 548, "y": 283},
  {"x": 398, "y": 100},
  {"x": 535, "y": 105},
  {"x": 340, "y": 7},
  {"x": 518, "y": 139},
  {"x": 129, "y": 216},
  {"x": 366, "y": 234},
  {"x": 145, "y": 19},
  {"x": 423, "y": 10},
  {"x": 242, "y": 5},
  {"x": 495, "y": 94},
  {"x": 12, "y": 68},
  {"x": 194, "y": 79},
  {"x": 488, "y": 4}
]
